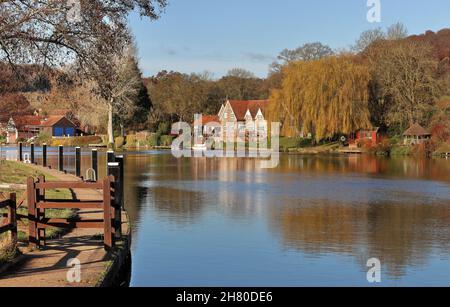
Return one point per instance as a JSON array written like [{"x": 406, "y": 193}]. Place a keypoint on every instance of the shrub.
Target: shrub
[
  {"x": 8, "y": 251},
  {"x": 442, "y": 149},
  {"x": 153, "y": 140},
  {"x": 166, "y": 140},
  {"x": 163, "y": 128},
  {"x": 287, "y": 143},
  {"x": 401, "y": 151},
  {"x": 43, "y": 138},
  {"x": 422, "y": 150},
  {"x": 130, "y": 140},
  {"x": 76, "y": 141},
  {"x": 119, "y": 141}
]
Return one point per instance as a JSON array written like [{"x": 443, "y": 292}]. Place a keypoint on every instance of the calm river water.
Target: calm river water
[{"x": 313, "y": 221}]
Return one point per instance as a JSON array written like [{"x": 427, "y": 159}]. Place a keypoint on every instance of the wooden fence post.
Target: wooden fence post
[
  {"x": 121, "y": 160},
  {"x": 32, "y": 214},
  {"x": 40, "y": 213},
  {"x": 32, "y": 153},
  {"x": 94, "y": 165},
  {"x": 20, "y": 157},
  {"x": 61, "y": 158},
  {"x": 44, "y": 155},
  {"x": 78, "y": 162},
  {"x": 108, "y": 237},
  {"x": 114, "y": 171},
  {"x": 12, "y": 216}
]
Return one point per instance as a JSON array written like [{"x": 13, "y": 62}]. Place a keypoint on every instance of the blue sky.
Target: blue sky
[{"x": 217, "y": 35}]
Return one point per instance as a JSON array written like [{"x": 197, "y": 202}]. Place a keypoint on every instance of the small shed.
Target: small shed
[
  {"x": 415, "y": 135},
  {"x": 58, "y": 126},
  {"x": 369, "y": 137}
]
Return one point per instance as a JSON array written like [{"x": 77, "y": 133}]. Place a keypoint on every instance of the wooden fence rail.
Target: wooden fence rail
[
  {"x": 38, "y": 204},
  {"x": 11, "y": 222}
]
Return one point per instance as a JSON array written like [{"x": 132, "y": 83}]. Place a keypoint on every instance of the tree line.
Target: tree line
[
  {"x": 89, "y": 65},
  {"x": 386, "y": 80}
]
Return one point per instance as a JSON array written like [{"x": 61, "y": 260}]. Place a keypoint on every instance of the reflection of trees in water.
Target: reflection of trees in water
[
  {"x": 436, "y": 169},
  {"x": 399, "y": 235},
  {"x": 179, "y": 206}
]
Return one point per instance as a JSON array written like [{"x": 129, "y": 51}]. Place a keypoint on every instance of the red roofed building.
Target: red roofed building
[
  {"x": 27, "y": 127},
  {"x": 245, "y": 115}
]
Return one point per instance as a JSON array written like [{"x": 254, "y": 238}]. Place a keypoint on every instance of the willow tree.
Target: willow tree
[{"x": 325, "y": 97}]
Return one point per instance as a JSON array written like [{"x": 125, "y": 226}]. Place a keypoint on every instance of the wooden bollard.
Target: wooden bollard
[
  {"x": 32, "y": 213},
  {"x": 32, "y": 153},
  {"x": 12, "y": 211},
  {"x": 78, "y": 161},
  {"x": 61, "y": 158},
  {"x": 94, "y": 164},
  {"x": 110, "y": 158},
  {"x": 121, "y": 160},
  {"x": 114, "y": 170},
  {"x": 44, "y": 155},
  {"x": 108, "y": 239},
  {"x": 20, "y": 157}
]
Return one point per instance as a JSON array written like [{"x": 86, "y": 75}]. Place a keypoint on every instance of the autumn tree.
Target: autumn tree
[
  {"x": 324, "y": 97},
  {"x": 306, "y": 52},
  {"x": 404, "y": 84},
  {"x": 92, "y": 37},
  {"x": 176, "y": 96},
  {"x": 130, "y": 103},
  {"x": 12, "y": 104},
  {"x": 240, "y": 84},
  {"x": 57, "y": 32},
  {"x": 368, "y": 38},
  {"x": 396, "y": 31}
]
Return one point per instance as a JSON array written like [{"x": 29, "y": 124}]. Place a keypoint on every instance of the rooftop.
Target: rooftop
[
  {"x": 240, "y": 107},
  {"x": 416, "y": 130}
]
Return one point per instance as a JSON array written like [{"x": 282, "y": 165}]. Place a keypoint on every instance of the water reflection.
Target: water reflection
[
  {"x": 315, "y": 207},
  {"x": 314, "y": 220}
]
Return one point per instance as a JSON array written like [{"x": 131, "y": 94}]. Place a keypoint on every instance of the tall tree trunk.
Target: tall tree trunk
[{"x": 110, "y": 123}]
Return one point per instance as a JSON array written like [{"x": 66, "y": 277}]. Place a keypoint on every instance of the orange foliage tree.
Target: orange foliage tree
[{"x": 324, "y": 97}]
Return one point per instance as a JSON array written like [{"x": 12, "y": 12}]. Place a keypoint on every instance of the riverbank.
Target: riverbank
[{"x": 48, "y": 266}]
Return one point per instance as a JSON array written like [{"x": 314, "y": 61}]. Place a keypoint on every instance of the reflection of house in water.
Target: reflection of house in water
[{"x": 236, "y": 184}]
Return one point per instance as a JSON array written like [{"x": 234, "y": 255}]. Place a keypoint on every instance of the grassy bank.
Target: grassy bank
[
  {"x": 17, "y": 173},
  {"x": 79, "y": 141}
]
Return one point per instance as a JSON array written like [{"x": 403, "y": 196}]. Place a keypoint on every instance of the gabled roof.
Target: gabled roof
[
  {"x": 22, "y": 122},
  {"x": 206, "y": 119},
  {"x": 240, "y": 107},
  {"x": 27, "y": 120},
  {"x": 416, "y": 130},
  {"x": 50, "y": 121}
]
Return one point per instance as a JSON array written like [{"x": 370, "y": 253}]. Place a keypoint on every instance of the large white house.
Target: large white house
[{"x": 248, "y": 115}]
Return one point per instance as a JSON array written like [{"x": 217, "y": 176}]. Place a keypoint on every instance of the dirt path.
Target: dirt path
[{"x": 48, "y": 267}]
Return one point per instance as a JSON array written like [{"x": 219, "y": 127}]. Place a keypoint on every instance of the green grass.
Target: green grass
[
  {"x": 401, "y": 150},
  {"x": 287, "y": 143},
  {"x": 17, "y": 173}
]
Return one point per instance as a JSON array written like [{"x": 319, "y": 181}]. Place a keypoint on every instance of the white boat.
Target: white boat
[{"x": 199, "y": 147}]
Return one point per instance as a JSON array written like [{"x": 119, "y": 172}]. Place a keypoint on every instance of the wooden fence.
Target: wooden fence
[
  {"x": 11, "y": 221},
  {"x": 110, "y": 222}
]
